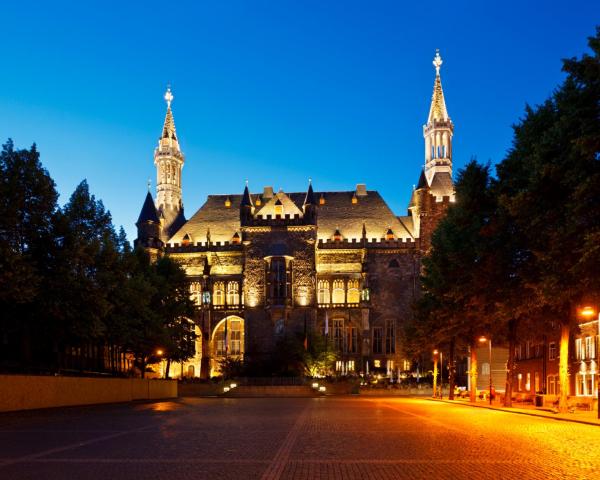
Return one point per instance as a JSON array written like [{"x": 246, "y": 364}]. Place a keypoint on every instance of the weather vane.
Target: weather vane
[{"x": 437, "y": 61}]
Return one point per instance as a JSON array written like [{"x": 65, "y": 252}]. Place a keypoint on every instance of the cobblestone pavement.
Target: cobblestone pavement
[{"x": 303, "y": 438}]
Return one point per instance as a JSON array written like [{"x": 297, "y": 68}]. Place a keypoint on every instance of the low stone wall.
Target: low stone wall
[{"x": 25, "y": 392}]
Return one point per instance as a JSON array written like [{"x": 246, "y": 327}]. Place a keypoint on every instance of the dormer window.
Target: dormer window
[
  {"x": 228, "y": 203},
  {"x": 258, "y": 202},
  {"x": 278, "y": 208},
  {"x": 236, "y": 239},
  {"x": 322, "y": 200},
  {"x": 186, "y": 240},
  {"x": 389, "y": 234},
  {"x": 354, "y": 199},
  {"x": 337, "y": 236}
]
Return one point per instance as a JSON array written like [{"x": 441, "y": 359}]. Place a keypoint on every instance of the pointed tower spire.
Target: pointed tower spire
[
  {"x": 438, "y": 132},
  {"x": 169, "y": 160},
  {"x": 310, "y": 194},
  {"x": 246, "y": 206}
]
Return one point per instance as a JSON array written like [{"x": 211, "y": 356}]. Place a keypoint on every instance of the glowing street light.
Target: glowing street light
[
  {"x": 159, "y": 352},
  {"x": 483, "y": 339}
]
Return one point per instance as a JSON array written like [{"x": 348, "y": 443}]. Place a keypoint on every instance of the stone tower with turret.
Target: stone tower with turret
[
  {"x": 169, "y": 159},
  {"x": 435, "y": 189}
]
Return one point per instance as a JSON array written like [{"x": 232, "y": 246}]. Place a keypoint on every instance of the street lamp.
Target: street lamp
[
  {"x": 159, "y": 352},
  {"x": 435, "y": 369},
  {"x": 483, "y": 339}
]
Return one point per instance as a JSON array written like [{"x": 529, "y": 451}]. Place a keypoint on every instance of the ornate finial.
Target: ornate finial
[
  {"x": 246, "y": 182},
  {"x": 149, "y": 184},
  {"x": 169, "y": 96},
  {"x": 437, "y": 61},
  {"x": 309, "y": 181}
]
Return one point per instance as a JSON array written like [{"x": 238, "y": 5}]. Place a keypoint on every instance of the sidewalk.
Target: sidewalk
[{"x": 588, "y": 418}]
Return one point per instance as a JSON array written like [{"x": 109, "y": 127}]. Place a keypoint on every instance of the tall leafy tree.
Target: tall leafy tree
[
  {"x": 27, "y": 208},
  {"x": 550, "y": 180}
]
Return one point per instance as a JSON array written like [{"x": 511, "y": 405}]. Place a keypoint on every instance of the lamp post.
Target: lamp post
[
  {"x": 441, "y": 374},
  {"x": 435, "y": 371},
  {"x": 483, "y": 340}
]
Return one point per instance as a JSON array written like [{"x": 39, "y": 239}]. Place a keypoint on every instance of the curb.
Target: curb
[{"x": 507, "y": 410}]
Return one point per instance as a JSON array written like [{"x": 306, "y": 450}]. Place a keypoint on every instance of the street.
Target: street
[{"x": 303, "y": 438}]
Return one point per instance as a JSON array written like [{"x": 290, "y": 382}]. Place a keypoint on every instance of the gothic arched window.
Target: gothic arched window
[
  {"x": 353, "y": 291},
  {"x": 233, "y": 293},
  {"x": 219, "y": 293},
  {"x": 196, "y": 293},
  {"x": 338, "y": 295},
  {"x": 323, "y": 294}
]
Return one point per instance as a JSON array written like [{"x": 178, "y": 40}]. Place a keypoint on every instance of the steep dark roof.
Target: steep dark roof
[
  {"x": 441, "y": 185},
  {"x": 148, "y": 213},
  {"x": 337, "y": 212},
  {"x": 422, "y": 181},
  {"x": 310, "y": 196},
  {"x": 246, "y": 200}
]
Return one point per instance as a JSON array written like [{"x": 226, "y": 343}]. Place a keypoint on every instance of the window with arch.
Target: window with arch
[
  {"x": 353, "y": 291},
  {"x": 196, "y": 293},
  {"x": 233, "y": 293},
  {"x": 323, "y": 294},
  {"x": 219, "y": 294},
  {"x": 279, "y": 280},
  {"x": 338, "y": 294},
  {"x": 390, "y": 337}
]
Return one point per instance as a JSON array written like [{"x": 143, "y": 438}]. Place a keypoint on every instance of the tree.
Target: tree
[
  {"x": 550, "y": 180},
  {"x": 451, "y": 308},
  {"x": 175, "y": 308},
  {"x": 27, "y": 208}
]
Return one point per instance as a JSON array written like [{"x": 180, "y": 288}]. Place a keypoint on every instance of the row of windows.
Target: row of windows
[
  {"x": 346, "y": 339},
  {"x": 528, "y": 350},
  {"x": 338, "y": 292},
  {"x": 585, "y": 348},
  {"x": 224, "y": 293}
]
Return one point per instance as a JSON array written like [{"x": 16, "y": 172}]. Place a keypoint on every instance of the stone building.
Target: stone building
[{"x": 264, "y": 265}]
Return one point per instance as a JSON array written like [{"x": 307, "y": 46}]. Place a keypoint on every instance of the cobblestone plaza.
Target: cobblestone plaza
[{"x": 304, "y": 438}]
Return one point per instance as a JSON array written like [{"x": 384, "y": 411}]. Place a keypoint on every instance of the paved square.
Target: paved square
[{"x": 304, "y": 438}]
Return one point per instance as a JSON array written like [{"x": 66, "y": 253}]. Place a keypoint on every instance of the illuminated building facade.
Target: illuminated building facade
[{"x": 264, "y": 265}]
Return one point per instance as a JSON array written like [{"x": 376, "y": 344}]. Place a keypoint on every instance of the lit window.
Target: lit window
[
  {"x": 485, "y": 368},
  {"x": 389, "y": 234},
  {"x": 353, "y": 291},
  {"x": 579, "y": 353},
  {"x": 235, "y": 327},
  {"x": 322, "y": 200},
  {"x": 324, "y": 296},
  {"x": 233, "y": 293},
  {"x": 528, "y": 383},
  {"x": 552, "y": 351},
  {"x": 236, "y": 239},
  {"x": 520, "y": 382},
  {"x": 278, "y": 208},
  {"x": 186, "y": 240},
  {"x": 354, "y": 199},
  {"x": 589, "y": 347},
  {"x": 219, "y": 293},
  {"x": 196, "y": 293},
  {"x": 377, "y": 363},
  {"x": 338, "y": 292},
  {"x": 227, "y": 203},
  {"x": 350, "y": 365}
]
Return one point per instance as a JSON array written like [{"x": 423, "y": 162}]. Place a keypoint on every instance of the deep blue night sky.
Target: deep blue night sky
[{"x": 272, "y": 92}]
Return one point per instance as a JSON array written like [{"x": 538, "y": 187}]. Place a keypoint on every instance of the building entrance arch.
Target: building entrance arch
[{"x": 227, "y": 342}]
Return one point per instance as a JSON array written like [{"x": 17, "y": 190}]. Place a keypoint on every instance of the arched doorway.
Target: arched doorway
[{"x": 227, "y": 342}]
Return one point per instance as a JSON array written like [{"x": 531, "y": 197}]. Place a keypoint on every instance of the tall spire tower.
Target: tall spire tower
[
  {"x": 168, "y": 160},
  {"x": 438, "y": 131}
]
